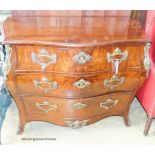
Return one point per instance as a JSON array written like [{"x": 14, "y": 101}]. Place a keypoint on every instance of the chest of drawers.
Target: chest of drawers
[{"x": 74, "y": 71}]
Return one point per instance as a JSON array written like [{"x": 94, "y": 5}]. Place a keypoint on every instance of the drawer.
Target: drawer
[
  {"x": 76, "y": 108},
  {"x": 47, "y": 58},
  {"x": 76, "y": 86}
]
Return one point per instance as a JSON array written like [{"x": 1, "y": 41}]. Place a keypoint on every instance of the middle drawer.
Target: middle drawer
[{"x": 75, "y": 86}]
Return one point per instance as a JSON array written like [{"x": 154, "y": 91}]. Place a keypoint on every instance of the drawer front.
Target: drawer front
[
  {"x": 75, "y": 86},
  {"x": 47, "y": 58},
  {"x": 75, "y": 108}
]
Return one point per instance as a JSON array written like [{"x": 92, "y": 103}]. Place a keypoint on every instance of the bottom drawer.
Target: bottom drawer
[{"x": 75, "y": 108}]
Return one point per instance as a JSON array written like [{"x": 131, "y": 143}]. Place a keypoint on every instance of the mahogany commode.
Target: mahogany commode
[{"x": 74, "y": 70}]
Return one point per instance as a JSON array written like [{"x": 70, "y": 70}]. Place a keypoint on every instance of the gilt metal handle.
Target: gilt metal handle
[
  {"x": 114, "y": 82},
  {"x": 116, "y": 58},
  {"x": 109, "y": 103},
  {"x": 46, "y": 106},
  {"x": 82, "y": 57},
  {"x": 76, "y": 124},
  {"x": 81, "y": 83},
  {"x": 45, "y": 84},
  {"x": 43, "y": 58}
]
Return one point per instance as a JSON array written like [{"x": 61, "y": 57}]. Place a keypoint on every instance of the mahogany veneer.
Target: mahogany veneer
[{"x": 76, "y": 69}]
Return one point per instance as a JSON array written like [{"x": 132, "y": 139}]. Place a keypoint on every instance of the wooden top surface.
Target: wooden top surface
[{"x": 73, "y": 30}]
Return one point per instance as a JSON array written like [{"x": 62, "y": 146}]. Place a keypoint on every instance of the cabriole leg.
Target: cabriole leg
[
  {"x": 147, "y": 125},
  {"x": 21, "y": 127},
  {"x": 126, "y": 119}
]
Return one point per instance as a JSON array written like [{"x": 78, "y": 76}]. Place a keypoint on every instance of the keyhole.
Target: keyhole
[{"x": 115, "y": 66}]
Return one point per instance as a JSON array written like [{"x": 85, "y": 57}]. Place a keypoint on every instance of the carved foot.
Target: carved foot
[
  {"x": 126, "y": 120},
  {"x": 147, "y": 126},
  {"x": 21, "y": 127},
  {"x": 20, "y": 130},
  {"x": 128, "y": 123}
]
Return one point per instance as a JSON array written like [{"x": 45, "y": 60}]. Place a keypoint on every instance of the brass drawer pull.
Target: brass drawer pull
[
  {"x": 114, "y": 82},
  {"x": 45, "y": 84},
  {"x": 81, "y": 83},
  {"x": 46, "y": 106},
  {"x": 109, "y": 103},
  {"x": 116, "y": 58},
  {"x": 82, "y": 57},
  {"x": 79, "y": 105},
  {"x": 43, "y": 58},
  {"x": 76, "y": 124}
]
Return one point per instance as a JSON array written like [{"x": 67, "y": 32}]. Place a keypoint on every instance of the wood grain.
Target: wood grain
[
  {"x": 73, "y": 31},
  {"x": 67, "y": 89},
  {"x": 66, "y": 64},
  {"x": 65, "y": 108},
  {"x": 94, "y": 32}
]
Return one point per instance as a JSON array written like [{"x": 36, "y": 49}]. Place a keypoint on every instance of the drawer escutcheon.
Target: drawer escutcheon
[
  {"x": 109, "y": 103},
  {"x": 43, "y": 58},
  {"x": 76, "y": 124},
  {"x": 81, "y": 83},
  {"x": 51, "y": 106},
  {"x": 114, "y": 82},
  {"x": 45, "y": 84},
  {"x": 79, "y": 105},
  {"x": 82, "y": 57}
]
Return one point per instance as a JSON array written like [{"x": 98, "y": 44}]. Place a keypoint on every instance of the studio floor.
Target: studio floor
[{"x": 107, "y": 131}]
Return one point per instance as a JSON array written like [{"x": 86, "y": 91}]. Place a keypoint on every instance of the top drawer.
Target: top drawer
[{"x": 79, "y": 60}]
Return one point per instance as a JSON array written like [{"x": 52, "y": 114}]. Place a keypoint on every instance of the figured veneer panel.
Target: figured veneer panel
[
  {"x": 65, "y": 107},
  {"x": 66, "y": 87},
  {"x": 65, "y": 61}
]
